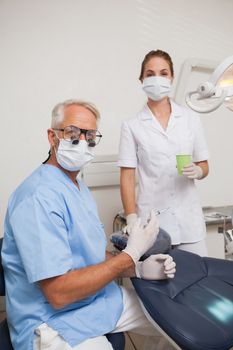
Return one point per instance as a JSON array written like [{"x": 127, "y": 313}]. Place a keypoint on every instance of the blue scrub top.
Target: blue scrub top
[{"x": 52, "y": 227}]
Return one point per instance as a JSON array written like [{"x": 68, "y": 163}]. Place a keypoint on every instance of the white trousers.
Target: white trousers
[
  {"x": 132, "y": 319},
  {"x": 198, "y": 248}
]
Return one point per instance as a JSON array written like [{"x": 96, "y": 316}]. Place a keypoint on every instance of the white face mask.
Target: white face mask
[
  {"x": 156, "y": 88},
  {"x": 73, "y": 157}
]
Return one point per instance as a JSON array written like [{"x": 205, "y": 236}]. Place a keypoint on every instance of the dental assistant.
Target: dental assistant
[
  {"x": 60, "y": 289},
  {"x": 149, "y": 144}
]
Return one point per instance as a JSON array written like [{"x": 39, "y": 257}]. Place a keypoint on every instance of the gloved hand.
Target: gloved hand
[
  {"x": 142, "y": 237},
  {"x": 130, "y": 221},
  {"x": 193, "y": 171},
  {"x": 156, "y": 267}
]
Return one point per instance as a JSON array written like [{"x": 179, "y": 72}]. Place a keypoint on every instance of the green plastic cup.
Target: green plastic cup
[{"x": 182, "y": 160}]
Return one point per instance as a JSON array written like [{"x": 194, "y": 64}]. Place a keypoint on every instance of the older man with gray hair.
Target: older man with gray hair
[{"x": 54, "y": 250}]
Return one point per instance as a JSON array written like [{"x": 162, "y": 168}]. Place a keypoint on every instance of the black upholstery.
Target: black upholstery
[
  {"x": 195, "y": 308},
  {"x": 116, "y": 339},
  {"x": 5, "y": 339}
]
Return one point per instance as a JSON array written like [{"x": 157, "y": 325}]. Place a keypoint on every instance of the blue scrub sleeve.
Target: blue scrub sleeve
[{"x": 41, "y": 237}]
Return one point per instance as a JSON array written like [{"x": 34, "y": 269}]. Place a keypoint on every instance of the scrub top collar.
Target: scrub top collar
[
  {"x": 176, "y": 112},
  {"x": 146, "y": 113},
  {"x": 62, "y": 174}
]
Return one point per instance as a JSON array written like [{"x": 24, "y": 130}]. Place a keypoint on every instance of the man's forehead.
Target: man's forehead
[
  {"x": 76, "y": 109},
  {"x": 78, "y": 114}
]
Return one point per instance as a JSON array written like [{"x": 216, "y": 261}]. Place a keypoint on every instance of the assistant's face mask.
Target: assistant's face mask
[
  {"x": 156, "y": 88},
  {"x": 73, "y": 157}
]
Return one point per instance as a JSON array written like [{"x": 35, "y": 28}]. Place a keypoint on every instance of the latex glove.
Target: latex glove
[
  {"x": 156, "y": 267},
  {"x": 130, "y": 221},
  {"x": 142, "y": 237},
  {"x": 193, "y": 171}
]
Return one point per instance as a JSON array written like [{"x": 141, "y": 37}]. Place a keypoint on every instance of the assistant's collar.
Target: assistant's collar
[{"x": 146, "y": 113}]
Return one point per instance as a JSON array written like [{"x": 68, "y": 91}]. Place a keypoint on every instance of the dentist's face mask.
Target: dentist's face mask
[
  {"x": 74, "y": 157},
  {"x": 156, "y": 88}
]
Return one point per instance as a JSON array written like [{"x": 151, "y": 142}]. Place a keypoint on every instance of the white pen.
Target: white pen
[{"x": 157, "y": 212}]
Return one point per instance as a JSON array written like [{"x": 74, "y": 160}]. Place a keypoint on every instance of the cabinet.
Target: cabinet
[{"x": 218, "y": 220}]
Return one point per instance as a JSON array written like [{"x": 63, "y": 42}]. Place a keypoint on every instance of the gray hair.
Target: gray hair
[{"x": 58, "y": 110}]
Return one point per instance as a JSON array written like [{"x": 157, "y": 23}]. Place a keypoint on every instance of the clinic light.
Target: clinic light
[
  {"x": 217, "y": 90},
  {"x": 222, "y": 310}
]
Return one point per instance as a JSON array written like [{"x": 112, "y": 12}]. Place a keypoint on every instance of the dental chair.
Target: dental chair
[
  {"x": 116, "y": 339},
  {"x": 194, "y": 311}
]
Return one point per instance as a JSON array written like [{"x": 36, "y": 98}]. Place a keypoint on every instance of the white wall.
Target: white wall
[{"x": 53, "y": 50}]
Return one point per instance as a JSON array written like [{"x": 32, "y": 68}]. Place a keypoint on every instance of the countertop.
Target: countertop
[
  {"x": 213, "y": 216},
  {"x": 218, "y": 215}
]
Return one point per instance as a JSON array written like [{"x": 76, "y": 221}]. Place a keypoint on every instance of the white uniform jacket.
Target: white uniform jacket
[{"x": 145, "y": 145}]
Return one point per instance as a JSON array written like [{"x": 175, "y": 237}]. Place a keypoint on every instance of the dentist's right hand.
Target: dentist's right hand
[{"x": 142, "y": 237}]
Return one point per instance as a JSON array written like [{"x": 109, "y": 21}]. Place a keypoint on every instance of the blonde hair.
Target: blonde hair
[{"x": 58, "y": 110}]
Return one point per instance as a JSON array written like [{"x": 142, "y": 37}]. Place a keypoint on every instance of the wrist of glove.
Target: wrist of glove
[
  {"x": 142, "y": 237},
  {"x": 156, "y": 267},
  {"x": 130, "y": 221},
  {"x": 193, "y": 171}
]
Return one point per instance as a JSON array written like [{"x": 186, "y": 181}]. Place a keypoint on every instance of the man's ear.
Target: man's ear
[{"x": 52, "y": 137}]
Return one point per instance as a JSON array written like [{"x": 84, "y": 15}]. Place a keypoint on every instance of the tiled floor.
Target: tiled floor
[
  {"x": 134, "y": 341},
  {"x": 128, "y": 343}
]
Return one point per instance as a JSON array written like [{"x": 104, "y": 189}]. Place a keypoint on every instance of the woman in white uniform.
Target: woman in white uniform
[{"x": 149, "y": 144}]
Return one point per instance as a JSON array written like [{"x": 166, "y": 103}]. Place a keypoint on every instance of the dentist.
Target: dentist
[{"x": 60, "y": 289}]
